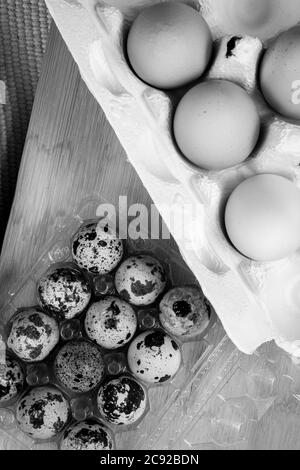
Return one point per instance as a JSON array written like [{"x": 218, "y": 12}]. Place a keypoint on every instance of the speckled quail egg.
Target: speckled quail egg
[
  {"x": 140, "y": 279},
  {"x": 96, "y": 248},
  {"x": 122, "y": 400},
  {"x": 64, "y": 291},
  {"x": 87, "y": 435},
  {"x": 43, "y": 412},
  {"x": 79, "y": 366},
  {"x": 33, "y": 335},
  {"x": 154, "y": 357},
  {"x": 11, "y": 378},
  {"x": 184, "y": 311},
  {"x": 111, "y": 322}
]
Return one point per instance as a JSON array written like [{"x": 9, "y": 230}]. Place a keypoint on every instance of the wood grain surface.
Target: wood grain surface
[{"x": 71, "y": 152}]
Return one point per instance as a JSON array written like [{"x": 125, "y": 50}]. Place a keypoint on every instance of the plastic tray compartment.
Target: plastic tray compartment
[
  {"x": 255, "y": 405},
  {"x": 199, "y": 354}
]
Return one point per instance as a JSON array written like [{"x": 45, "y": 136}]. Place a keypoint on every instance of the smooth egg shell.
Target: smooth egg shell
[
  {"x": 169, "y": 45},
  {"x": 216, "y": 125},
  {"x": 262, "y": 217},
  {"x": 280, "y": 74}
]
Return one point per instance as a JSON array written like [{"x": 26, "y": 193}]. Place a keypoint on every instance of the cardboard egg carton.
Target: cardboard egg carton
[{"x": 250, "y": 298}]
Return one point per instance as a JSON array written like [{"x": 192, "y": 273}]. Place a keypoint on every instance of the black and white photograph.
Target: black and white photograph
[{"x": 150, "y": 229}]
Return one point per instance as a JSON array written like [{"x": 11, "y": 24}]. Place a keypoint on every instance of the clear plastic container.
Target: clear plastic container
[
  {"x": 255, "y": 405},
  {"x": 197, "y": 353}
]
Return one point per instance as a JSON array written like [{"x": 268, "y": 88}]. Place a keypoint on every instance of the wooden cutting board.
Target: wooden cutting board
[{"x": 71, "y": 152}]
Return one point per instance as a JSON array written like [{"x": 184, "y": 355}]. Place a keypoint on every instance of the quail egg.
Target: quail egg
[
  {"x": 11, "y": 378},
  {"x": 96, "y": 248},
  {"x": 154, "y": 357},
  {"x": 43, "y": 412},
  {"x": 79, "y": 366},
  {"x": 111, "y": 322},
  {"x": 184, "y": 311},
  {"x": 64, "y": 291},
  {"x": 33, "y": 335},
  {"x": 140, "y": 279},
  {"x": 122, "y": 400},
  {"x": 87, "y": 435}
]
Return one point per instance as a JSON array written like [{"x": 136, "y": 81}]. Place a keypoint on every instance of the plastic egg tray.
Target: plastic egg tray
[
  {"x": 255, "y": 406},
  {"x": 195, "y": 351}
]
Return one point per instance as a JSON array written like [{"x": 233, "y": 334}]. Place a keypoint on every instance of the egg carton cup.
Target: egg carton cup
[
  {"x": 198, "y": 353},
  {"x": 248, "y": 296}
]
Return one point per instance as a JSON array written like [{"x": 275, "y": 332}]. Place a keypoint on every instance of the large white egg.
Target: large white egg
[
  {"x": 169, "y": 45},
  {"x": 280, "y": 74},
  {"x": 216, "y": 125},
  {"x": 262, "y": 217}
]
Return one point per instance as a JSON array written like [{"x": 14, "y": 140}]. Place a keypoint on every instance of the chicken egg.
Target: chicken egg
[
  {"x": 280, "y": 74},
  {"x": 216, "y": 125},
  {"x": 262, "y": 217},
  {"x": 169, "y": 45}
]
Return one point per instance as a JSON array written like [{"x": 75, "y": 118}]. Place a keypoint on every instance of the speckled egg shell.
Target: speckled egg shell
[
  {"x": 184, "y": 311},
  {"x": 43, "y": 412},
  {"x": 96, "y": 248},
  {"x": 33, "y": 335},
  {"x": 87, "y": 435},
  {"x": 64, "y": 292},
  {"x": 154, "y": 357},
  {"x": 111, "y": 322},
  {"x": 140, "y": 280},
  {"x": 122, "y": 401},
  {"x": 11, "y": 379},
  {"x": 79, "y": 366}
]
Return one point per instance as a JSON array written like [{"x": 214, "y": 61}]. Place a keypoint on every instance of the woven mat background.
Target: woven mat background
[{"x": 24, "y": 26}]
